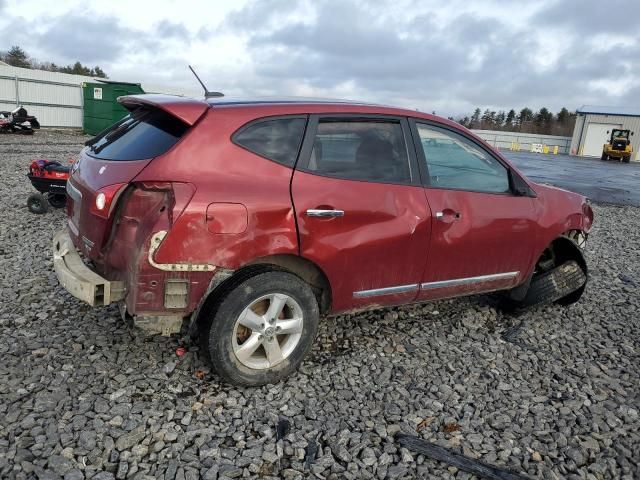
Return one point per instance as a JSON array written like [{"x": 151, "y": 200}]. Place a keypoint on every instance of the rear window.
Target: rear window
[
  {"x": 276, "y": 139},
  {"x": 140, "y": 135}
]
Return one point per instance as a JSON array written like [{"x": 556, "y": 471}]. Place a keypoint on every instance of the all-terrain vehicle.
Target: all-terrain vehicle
[
  {"x": 50, "y": 179},
  {"x": 619, "y": 146},
  {"x": 18, "y": 121}
]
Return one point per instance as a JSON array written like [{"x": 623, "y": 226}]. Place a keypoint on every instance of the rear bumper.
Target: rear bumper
[{"x": 78, "y": 279}]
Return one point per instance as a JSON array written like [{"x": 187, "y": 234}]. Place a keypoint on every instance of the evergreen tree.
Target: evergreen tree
[
  {"x": 475, "y": 119},
  {"x": 563, "y": 116},
  {"x": 525, "y": 115},
  {"x": 542, "y": 120},
  {"x": 526, "y": 121},
  {"x": 487, "y": 119},
  {"x": 98, "y": 72},
  {"x": 17, "y": 57}
]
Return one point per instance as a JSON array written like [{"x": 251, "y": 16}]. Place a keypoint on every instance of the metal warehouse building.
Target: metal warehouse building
[{"x": 593, "y": 128}]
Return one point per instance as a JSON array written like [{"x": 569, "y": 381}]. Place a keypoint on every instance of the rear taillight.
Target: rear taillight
[{"x": 106, "y": 199}]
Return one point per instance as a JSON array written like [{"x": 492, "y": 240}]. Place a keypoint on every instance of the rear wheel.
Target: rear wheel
[
  {"x": 36, "y": 203},
  {"x": 603, "y": 157},
  {"x": 262, "y": 329}
]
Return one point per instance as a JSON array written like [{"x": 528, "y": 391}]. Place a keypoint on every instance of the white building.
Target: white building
[{"x": 594, "y": 124}]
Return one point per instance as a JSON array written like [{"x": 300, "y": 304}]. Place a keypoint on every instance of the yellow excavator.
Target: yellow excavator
[{"x": 619, "y": 146}]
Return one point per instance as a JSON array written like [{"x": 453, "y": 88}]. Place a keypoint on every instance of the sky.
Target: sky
[{"x": 444, "y": 56}]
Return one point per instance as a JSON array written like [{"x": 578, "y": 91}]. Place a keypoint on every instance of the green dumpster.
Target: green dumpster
[{"x": 101, "y": 107}]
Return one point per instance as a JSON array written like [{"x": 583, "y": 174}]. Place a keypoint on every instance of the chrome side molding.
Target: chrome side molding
[
  {"x": 468, "y": 280},
  {"x": 376, "y": 292}
]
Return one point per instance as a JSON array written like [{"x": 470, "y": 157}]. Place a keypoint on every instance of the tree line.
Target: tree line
[
  {"x": 17, "y": 57},
  {"x": 542, "y": 122}
]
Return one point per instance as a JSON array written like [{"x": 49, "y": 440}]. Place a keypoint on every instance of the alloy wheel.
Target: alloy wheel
[{"x": 267, "y": 331}]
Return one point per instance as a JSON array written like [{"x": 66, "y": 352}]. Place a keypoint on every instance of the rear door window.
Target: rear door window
[
  {"x": 366, "y": 150},
  {"x": 277, "y": 139},
  {"x": 141, "y": 135}
]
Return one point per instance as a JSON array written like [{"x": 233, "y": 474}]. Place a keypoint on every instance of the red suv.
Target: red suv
[{"x": 253, "y": 218}]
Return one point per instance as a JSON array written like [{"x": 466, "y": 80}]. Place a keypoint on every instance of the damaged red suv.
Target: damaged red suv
[{"x": 251, "y": 219}]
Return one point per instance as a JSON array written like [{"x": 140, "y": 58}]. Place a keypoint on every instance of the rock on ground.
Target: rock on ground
[{"x": 82, "y": 396}]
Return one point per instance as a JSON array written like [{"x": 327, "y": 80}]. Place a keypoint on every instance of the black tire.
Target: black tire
[
  {"x": 218, "y": 327},
  {"x": 57, "y": 200},
  {"x": 556, "y": 284},
  {"x": 36, "y": 203},
  {"x": 603, "y": 157},
  {"x": 626, "y": 159}
]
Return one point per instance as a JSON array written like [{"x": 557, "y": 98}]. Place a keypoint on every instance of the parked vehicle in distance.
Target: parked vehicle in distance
[
  {"x": 49, "y": 178},
  {"x": 254, "y": 218},
  {"x": 18, "y": 121},
  {"x": 619, "y": 146}
]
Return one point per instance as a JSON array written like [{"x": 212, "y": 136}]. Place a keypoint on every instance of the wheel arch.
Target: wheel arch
[
  {"x": 303, "y": 268},
  {"x": 225, "y": 280},
  {"x": 566, "y": 247}
]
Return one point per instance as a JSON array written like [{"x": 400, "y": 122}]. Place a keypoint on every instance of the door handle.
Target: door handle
[
  {"x": 447, "y": 214},
  {"x": 313, "y": 212}
]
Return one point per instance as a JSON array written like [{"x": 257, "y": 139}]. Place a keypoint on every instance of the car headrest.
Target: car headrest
[{"x": 373, "y": 152}]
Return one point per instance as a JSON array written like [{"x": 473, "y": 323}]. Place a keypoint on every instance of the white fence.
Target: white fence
[
  {"x": 54, "y": 98},
  {"x": 525, "y": 141}
]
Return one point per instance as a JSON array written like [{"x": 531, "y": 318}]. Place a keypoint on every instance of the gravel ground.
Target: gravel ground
[{"x": 552, "y": 392}]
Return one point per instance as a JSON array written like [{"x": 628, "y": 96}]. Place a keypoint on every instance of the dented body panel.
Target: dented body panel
[
  {"x": 225, "y": 173},
  {"x": 382, "y": 241},
  {"x": 558, "y": 212},
  {"x": 207, "y": 206},
  {"x": 492, "y": 234}
]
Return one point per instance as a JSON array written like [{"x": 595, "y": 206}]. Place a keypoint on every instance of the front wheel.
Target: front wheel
[{"x": 262, "y": 329}]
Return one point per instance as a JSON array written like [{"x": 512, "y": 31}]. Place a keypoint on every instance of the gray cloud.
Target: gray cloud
[
  {"x": 88, "y": 39},
  {"x": 413, "y": 53},
  {"x": 466, "y": 59},
  {"x": 94, "y": 39},
  {"x": 256, "y": 15},
  {"x": 167, "y": 29},
  {"x": 587, "y": 16}
]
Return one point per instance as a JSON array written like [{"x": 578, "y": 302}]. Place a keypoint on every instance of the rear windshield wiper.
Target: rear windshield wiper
[{"x": 113, "y": 136}]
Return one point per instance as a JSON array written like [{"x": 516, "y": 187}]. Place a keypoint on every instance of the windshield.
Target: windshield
[
  {"x": 621, "y": 133},
  {"x": 141, "y": 135}
]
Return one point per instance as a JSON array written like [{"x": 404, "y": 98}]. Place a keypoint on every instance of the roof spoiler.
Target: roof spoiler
[{"x": 188, "y": 110}]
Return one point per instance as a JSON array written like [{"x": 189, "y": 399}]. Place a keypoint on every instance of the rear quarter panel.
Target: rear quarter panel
[{"x": 224, "y": 173}]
